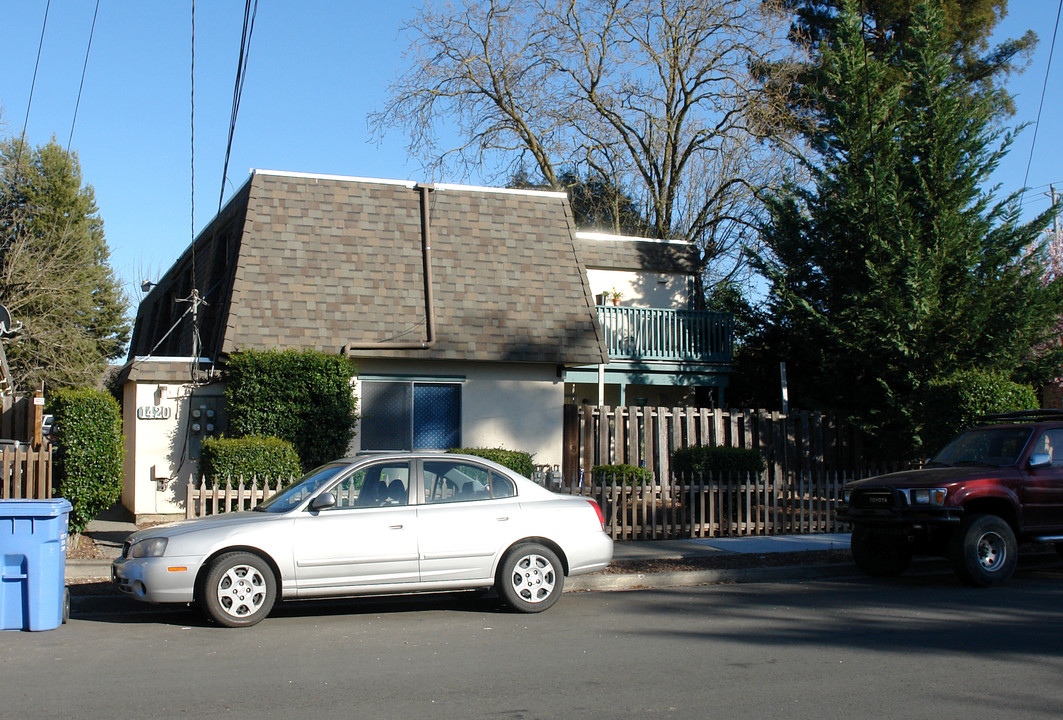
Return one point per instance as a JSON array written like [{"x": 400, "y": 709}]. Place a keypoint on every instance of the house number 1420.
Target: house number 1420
[{"x": 153, "y": 412}]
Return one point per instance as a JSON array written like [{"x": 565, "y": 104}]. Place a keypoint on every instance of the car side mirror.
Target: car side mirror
[
  {"x": 1040, "y": 460},
  {"x": 323, "y": 501}
]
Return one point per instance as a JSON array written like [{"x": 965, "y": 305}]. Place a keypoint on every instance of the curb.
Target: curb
[
  {"x": 88, "y": 570},
  {"x": 694, "y": 578}
]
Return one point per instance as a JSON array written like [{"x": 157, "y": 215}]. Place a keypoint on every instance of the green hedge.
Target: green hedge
[
  {"x": 89, "y": 451},
  {"x": 304, "y": 397},
  {"x": 703, "y": 461},
  {"x": 621, "y": 474},
  {"x": 956, "y": 403},
  {"x": 515, "y": 460},
  {"x": 262, "y": 458}
]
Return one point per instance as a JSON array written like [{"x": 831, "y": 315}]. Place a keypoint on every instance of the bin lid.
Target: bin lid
[{"x": 34, "y": 508}]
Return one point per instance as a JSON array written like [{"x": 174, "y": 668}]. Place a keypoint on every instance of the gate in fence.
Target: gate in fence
[{"x": 25, "y": 455}]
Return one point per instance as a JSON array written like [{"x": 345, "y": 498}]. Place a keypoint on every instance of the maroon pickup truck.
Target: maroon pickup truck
[{"x": 994, "y": 486}]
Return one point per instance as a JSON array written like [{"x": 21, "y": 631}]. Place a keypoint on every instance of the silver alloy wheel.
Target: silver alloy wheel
[
  {"x": 992, "y": 551},
  {"x": 241, "y": 591},
  {"x": 533, "y": 578}
]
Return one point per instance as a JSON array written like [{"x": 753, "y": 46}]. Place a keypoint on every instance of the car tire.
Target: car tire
[
  {"x": 239, "y": 590},
  {"x": 530, "y": 578},
  {"x": 880, "y": 555},
  {"x": 984, "y": 551}
]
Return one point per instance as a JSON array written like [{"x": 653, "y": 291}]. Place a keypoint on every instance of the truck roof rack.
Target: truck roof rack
[{"x": 1023, "y": 416}]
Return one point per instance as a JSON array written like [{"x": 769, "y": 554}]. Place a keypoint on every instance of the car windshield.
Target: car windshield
[
  {"x": 302, "y": 488},
  {"x": 994, "y": 447}
]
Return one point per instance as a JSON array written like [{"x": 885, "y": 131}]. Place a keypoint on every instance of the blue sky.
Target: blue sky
[{"x": 317, "y": 68}]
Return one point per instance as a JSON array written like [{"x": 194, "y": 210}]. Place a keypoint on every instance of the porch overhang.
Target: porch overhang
[{"x": 641, "y": 373}]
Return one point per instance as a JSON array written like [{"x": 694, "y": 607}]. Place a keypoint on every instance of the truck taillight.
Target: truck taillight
[{"x": 598, "y": 510}]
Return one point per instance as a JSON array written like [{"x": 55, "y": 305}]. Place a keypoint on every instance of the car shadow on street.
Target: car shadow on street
[{"x": 124, "y": 611}]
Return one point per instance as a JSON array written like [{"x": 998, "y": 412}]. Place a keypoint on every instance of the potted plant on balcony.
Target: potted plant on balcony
[{"x": 615, "y": 296}]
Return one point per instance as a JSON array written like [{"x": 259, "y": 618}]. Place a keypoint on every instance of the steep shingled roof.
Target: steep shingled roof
[
  {"x": 299, "y": 261},
  {"x": 615, "y": 252}
]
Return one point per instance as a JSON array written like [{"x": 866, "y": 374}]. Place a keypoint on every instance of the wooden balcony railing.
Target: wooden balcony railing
[{"x": 666, "y": 335}]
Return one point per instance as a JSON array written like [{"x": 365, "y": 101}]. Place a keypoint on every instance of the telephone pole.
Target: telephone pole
[{"x": 1055, "y": 219}]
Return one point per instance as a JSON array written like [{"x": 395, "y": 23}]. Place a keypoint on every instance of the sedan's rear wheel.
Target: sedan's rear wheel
[
  {"x": 239, "y": 590},
  {"x": 530, "y": 578}
]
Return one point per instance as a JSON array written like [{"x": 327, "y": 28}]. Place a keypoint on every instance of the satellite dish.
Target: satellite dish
[{"x": 7, "y": 326}]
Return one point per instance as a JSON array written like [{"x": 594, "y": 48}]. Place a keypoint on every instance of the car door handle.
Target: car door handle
[
  {"x": 502, "y": 519},
  {"x": 395, "y": 527}
]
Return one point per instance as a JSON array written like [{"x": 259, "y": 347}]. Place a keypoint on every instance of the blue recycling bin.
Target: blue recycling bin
[{"x": 33, "y": 592}]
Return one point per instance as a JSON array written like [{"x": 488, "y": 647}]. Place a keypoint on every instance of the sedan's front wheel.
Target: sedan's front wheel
[
  {"x": 530, "y": 578},
  {"x": 239, "y": 590}
]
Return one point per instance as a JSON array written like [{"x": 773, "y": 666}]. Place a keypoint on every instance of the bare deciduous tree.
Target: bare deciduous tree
[{"x": 654, "y": 95}]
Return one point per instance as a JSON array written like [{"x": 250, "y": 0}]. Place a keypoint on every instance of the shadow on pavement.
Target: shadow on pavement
[{"x": 121, "y": 610}]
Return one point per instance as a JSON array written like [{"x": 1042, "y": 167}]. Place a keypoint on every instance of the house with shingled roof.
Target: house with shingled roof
[{"x": 473, "y": 315}]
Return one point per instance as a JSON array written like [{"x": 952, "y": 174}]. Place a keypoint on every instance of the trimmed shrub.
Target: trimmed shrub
[
  {"x": 304, "y": 397},
  {"x": 515, "y": 460},
  {"x": 955, "y": 403},
  {"x": 621, "y": 474},
  {"x": 89, "y": 451},
  {"x": 703, "y": 461},
  {"x": 262, "y": 458}
]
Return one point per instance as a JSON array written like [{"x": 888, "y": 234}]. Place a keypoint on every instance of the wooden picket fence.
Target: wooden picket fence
[
  {"x": 202, "y": 499},
  {"x": 26, "y": 473},
  {"x": 709, "y": 508},
  {"x": 814, "y": 443},
  {"x": 680, "y": 509}
]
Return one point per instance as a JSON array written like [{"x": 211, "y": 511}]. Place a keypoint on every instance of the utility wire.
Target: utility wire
[
  {"x": 192, "y": 134},
  {"x": 1040, "y": 106},
  {"x": 29, "y": 103},
  {"x": 250, "y": 11},
  {"x": 191, "y": 122},
  {"x": 84, "y": 68}
]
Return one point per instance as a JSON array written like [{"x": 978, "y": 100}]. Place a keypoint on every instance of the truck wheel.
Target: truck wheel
[
  {"x": 984, "y": 551},
  {"x": 880, "y": 555}
]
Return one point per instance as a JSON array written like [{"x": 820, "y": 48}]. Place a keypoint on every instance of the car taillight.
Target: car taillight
[{"x": 598, "y": 510}]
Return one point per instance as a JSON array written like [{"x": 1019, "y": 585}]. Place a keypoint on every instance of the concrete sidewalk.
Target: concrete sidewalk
[{"x": 110, "y": 530}]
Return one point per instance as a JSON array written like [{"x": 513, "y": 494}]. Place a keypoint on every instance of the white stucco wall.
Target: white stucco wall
[
  {"x": 161, "y": 441},
  {"x": 642, "y": 289},
  {"x": 515, "y": 406}
]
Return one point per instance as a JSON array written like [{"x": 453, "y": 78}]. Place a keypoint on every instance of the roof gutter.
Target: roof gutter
[{"x": 429, "y": 302}]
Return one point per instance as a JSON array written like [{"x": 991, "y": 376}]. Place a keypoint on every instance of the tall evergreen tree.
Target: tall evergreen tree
[
  {"x": 54, "y": 272},
  {"x": 892, "y": 268}
]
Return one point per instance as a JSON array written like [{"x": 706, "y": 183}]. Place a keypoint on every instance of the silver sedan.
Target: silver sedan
[{"x": 375, "y": 524}]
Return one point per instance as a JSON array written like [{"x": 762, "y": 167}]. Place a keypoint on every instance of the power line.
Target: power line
[
  {"x": 1044, "y": 89},
  {"x": 250, "y": 11},
  {"x": 192, "y": 133},
  {"x": 84, "y": 68},
  {"x": 29, "y": 103}
]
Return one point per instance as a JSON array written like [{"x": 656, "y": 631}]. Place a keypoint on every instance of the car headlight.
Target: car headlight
[
  {"x": 152, "y": 547},
  {"x": 847, "y": 495},
  {"x": 928, "y": 496}
]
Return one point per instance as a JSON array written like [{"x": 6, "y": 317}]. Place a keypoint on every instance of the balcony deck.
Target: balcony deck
[{"x": 666, "y": 335}]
